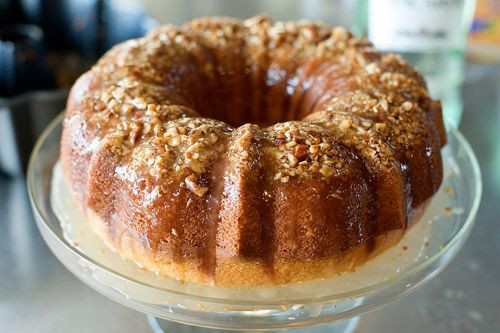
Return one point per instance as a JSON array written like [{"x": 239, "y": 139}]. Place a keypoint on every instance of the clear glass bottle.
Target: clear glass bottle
[{"x": 431, "y": 34}]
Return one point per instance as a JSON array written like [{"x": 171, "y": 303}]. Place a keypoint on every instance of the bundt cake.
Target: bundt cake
[{"x": 247, "y": 153}]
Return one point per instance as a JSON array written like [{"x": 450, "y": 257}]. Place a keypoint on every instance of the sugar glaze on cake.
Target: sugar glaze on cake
[{"x": 245, "y": 153}]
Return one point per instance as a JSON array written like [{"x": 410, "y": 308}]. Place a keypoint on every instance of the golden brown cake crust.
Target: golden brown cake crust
[{"x": 280, "y": 152}]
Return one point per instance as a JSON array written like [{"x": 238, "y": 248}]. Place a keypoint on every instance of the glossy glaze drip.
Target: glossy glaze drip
[
  {"x": 265, "y": 206},
  {"x": 213, "y": 208}
]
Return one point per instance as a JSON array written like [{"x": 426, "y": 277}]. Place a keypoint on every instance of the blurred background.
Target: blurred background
[{"x": 46, "y": 44}]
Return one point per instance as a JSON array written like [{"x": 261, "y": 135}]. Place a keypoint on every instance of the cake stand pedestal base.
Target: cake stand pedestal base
[{"x": 164, "y": 326}]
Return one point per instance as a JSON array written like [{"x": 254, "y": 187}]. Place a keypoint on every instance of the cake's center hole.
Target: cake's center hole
[{"x": 238, "y": 100}]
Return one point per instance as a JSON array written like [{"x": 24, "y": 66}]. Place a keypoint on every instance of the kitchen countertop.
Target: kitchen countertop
[{"x": 37, "y": 294}]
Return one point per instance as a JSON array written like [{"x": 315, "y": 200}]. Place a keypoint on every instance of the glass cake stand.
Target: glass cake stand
[{"x": 171, "y": 306}]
